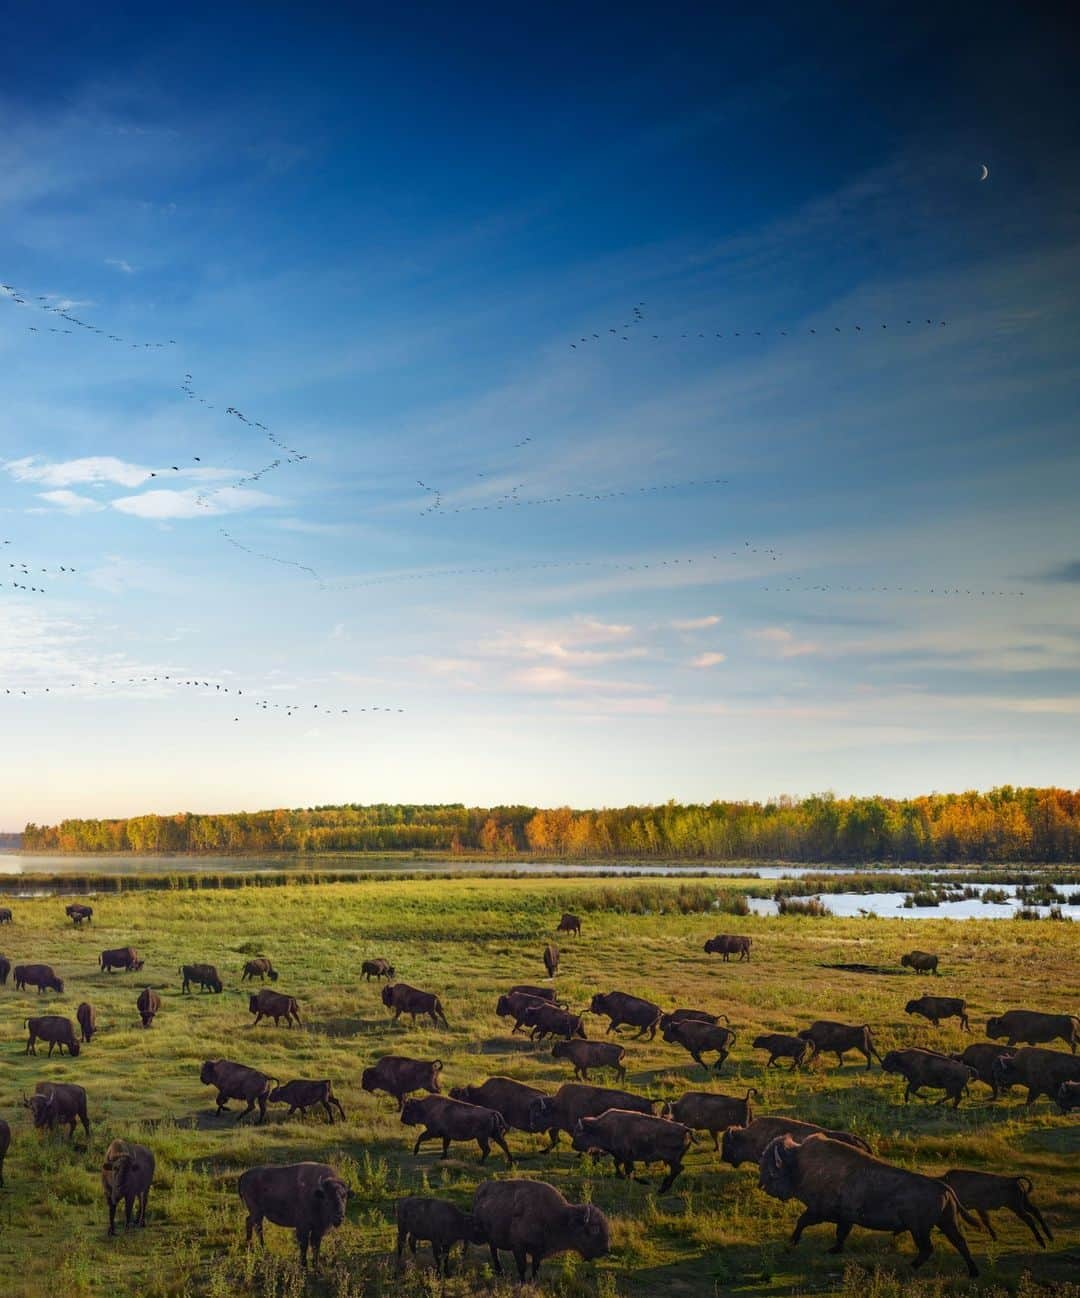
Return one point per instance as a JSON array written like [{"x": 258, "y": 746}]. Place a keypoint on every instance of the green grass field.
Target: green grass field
[{"x": 467, "y": 939}]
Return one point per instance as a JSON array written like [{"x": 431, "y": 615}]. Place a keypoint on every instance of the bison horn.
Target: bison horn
[{"x": 777, "y": 1156}]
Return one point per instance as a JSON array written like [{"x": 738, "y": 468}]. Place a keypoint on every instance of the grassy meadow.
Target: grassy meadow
[{"x": 467, "y": 939}]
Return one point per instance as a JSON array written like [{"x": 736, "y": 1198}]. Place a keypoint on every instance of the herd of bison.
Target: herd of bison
[{"x": 834, "y": 1174}]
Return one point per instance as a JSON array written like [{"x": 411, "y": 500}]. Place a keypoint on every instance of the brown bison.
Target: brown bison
[
  {"x": 622, "y": 1008},
  {"x": 981, "y": 1056},
  {"x": 205, "y": 976},
  {"x": 148, "y": 1004},
  {"x": 5, "y": 1142},
  {"x": 377, "y": 968},
  {"x": 436, "y": 1222},
  {"x": 512, "y": 1005},
  {"x": 926, "y": 1068},
  {"x": 126, "y": 1175},
  {"x": 56, "y": 1030},
  {"x": 696, "y": 1038},
  {"x": 309, "y": 1197},
  {"x": 541, "y": 993},
  {"x": 56, "y": 1104},
  {"x": 747, "y": 1144},
  {"x": 983, "y": 1192},
  {"x": 79, "y": 914},
  {"x": 591, "y": 1054},
  {"x": 546, "y": 1020},
  {"x": 920, "y": 962},
  {"x": 690, "y": 1016},
  {"x": 532, "y": 1220},
  {"x": 399, "y": 1076},
  {"x": 575, "y": 1100},
  {"x": 1068, "y": 1097},
  {"x": 780, "y": 1046},
  {"x": 1041, "y": 1071},
  {"x": 936, "y": 1008},
  {"x": 5, "y": 915},
  {"x": 259, "y": 967},
  {"x": 266, "y": 1004},
  {"x": 120, "y": 957},
  {"x": 87, "y": 1020},
  {"x": 707, "y": 1111},
  {"x": 403, "y": 999},
  {"x": 40, "y": 976},
  {"x": 838, "y": 1038},
  {"x": 453, "y": 1120},
  {"x": 569, "y": 924},
  {"x": 551, "y": 959},
  {"x": 727, "y": 945},
  {"x": 5, "y": 969},
  {"x": 842, "y": 1185},
  {"x": 512, "y": 1099},
  {"x": 237, "y": 1082},
  {"x": 635, "y": 1138},
  {"x": 1035, "y": 1029},
  {"x": 305, "y": 1095}
]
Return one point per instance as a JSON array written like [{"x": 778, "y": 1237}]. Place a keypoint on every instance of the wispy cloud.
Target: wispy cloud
[
  {"x": 119, "y": 263},
  {"x": 192, "y": 503},
  {"x": 708, "y": 660},
  {"x": 781, "y": 643},
  {"x": 71, "y": 502},
  {"x": 68, "y": 473},
  {"x": 694, "y": 623}
]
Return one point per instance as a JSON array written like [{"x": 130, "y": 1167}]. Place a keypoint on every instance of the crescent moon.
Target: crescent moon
[{"x": 985, "y": 171}]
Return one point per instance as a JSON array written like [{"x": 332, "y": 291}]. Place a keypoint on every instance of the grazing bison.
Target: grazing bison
[
  {"x": 569, "y": 924},
  {"x": 121, "y": 957},
  {"x": 727, "y": 945},
  {"x": 690, "y": 1016},
  {"x": 696, "y": 1038},
  {"x": 747, "y": 1144},
  {"x": 56, "y": 1104},
  {"x": 237, "y": 1082},
  {"x": 309, "y": 1197},
  {"x": 779, "y": 1046},
  {"x": 981, "y": 1056},
  {"x": 511, "y": 1099},
  {"x": 126, "y": 1175},
  {"x": 838, "y": 1038},
  {"x": 87, "y": 1020},
  {"x": 5, "y": 969},
  {"x": 56, "y": 1030},
  {"x": 707, "y": 1111},
  {"x": 1035, "y": 1029},
  {"x": 435, "y": 1222},
  {"x": 1068, "y": 1096},
  {"x": 532, "y": 1220},
  {"x": 399, "y": 1076},
  {"x": 79, "y": 914},
  {"x": 574, "y": 1101},
  {"x": 259, "y": 967},
  {"x": 377, "y": 968},
  {"x": 936, "y": 1008},
  {"x": 842, "y": 1185},
  {"x": 512, "y": 1005},
  {"x": 40, "y": 976},
  {"x": 622, "y": 1008},
  {"x": 920, "y": 962},
  {"x": 148, "y": 1004},
  {"x": 591, "y": 1054},
  {"x": 551, "y": 959},
  {"x": 265, "y": 1004},
  {"x": 926, "y": 1068},
  {"x": 206, "y": 975},
  {"x": 1041, "y": 1071},
  {"x": 541, "y": 993},
  {"x": 983, "y": 1192},
  {"x": 403, "y": 999},
  {"x": 546, "y": 1020},
  {"x": 5, "y": 915},
  {"x": 305, "y": 1095},
  {"x": 635, "y": 1138},
  {"x": 5, "y": 1142},
  {"x": 452, "y": 1120}
]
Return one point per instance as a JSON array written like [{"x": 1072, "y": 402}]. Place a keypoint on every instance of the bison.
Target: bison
[
  {"x": 696, "y": 1038},
  {"x": 259, "y": 967},
  {"x": 707, "y": 1111},
  {"x": 265, "y": 1004},
  {"x": 982, "y": 1192},
  {"x": 79, "y": 914},
  {"x": 727, "y": 945},
  {"x": 1068, "y": 1096},
  {"x": 690, "y": 1016},
  {"x": 780, "y": 1046},
  {"x": 205, "y": 975},
  {"x": 551, "y": 959},
  {"x": 569, "y": 924},
  {"x": 40, "y": 976},
  {"x": 635, "y": 1138},
  {"x": 305, "y": 1095},
  {"x": 452, "y": 1120},
  {"x": 5, "y": 1142},
  {"x": 5, "y": 969},
  {"x": 532, "y": 1220},
  {"x": 927, "y": 1068},
  {"x": 5, "y": 915},
  {"x": 591, "y": 1054},
  {"x": 399, "y": 1076},
  {"x": 981, "y": 1056},
  {"x": 436, "y": 1222},
  {"x": 148, "y": 1004},
  {"x": 838, "y": 1038},
  {"x": 309, "y": 1197},
  {"x": 622, "y": 1008},
  {"x": 540, "y": 993},
  {"x": 546, "y": 1020},
  {"x": 1041, "y": 1071},
  {"x": 573, "y": 1101},
  {"x": 512, "y": 1099},
  {"x": 56, "y": 1030},
  {"x": 847, "y": 1187},
  {"x": 920, "y": 962},
  {"x": 87, "y": 1020},
  {"x": 403, "y": 999},
  {"x": 1034, "y": 1028},
  {"x": 56, "y": 1104},
  {"x": 377, "y": 968},
  {"x": 127, "y": 1174},
  {"x": 512, "y": 1005},
  {"x": 121, "y": 957},
  {"x": 747, "y": 1144},
  {"x": 237, "y": 1082},
  {"x": 936, "y": 1008}
]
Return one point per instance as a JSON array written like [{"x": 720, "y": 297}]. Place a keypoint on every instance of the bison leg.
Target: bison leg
[
  {"x": 1028, "y": 1206},
  {"x": 673, "y": 1171},
  {"x": 501, "y": 1142},
  {"x": 949, "y": 1228},
  {"x": 142, "y": 1206},
  {"x": 496, "y": 1265},
  {"x": 112, "y": 1217},
  {"x": 254, "y": 1224},
  {"x": 302, "y": 1238},
  {"x": 424, "y": 1135},
  {"x": 843, "y": 1230},
  {"x": 129, "y": 1208},
  {"x": 808, "y": 1218},
  {"x": 553, "y": 1136},
  {"x": 86, "y": 1125},
  {"x": 620, "y": 1072},
  {"x": 31, "y": 1049},
  {"x": 1028, "y": 1218},
  {"x": 723, "y": 1054},
  {"x": 520, "y": 1257}
]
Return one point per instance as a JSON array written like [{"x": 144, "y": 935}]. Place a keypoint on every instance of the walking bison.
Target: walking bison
[
  {"x": 400, "y": 1076},
  {"x": 403, "y": 999},
  {"x": 1034, "y": 1028},
  {"x": 267, "y": 1004},
  {"x": 308, "y": 1197},
  {"x": 532, "y": 1220},
  {"x": 237, "y": 1082},
  {"x": 729, "y": 944},
  {"x": 126, "y": 1177}
]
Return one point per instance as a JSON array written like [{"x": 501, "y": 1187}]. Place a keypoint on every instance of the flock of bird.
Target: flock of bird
[
  {"x": 512, "y": 500},
  {"x": 53, "y": 306},
  {"x": 21, "y": 569},
  {"x": 270, "y": 558}
]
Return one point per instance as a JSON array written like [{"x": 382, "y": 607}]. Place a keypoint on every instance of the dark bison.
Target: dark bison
[
  {"x": 79, "y": 914},
  {"x": 205, "y": 976},
  {"x": 120, "y": 957},
  {"x": 551, "y": 959},
  {"x": 1041, "y": 1071},
  {"x": 403, "y": 999},
  {"x": 936, "y": 1008},
  {"x": 56, "y": 1104},
  {"x": 574, "y": 1101},
  {"x": 436, "y": 1222},
  {"x": 920, "y": 962},
  {"x": 237, "y": 1082},
  {"x": 126, "y": 1176},
  {"x": 622, "y": 1008},
  {"x": 266, "y": 1004},
  {"x": 707, "y": 1111},
  {"x": 5, "y": 915},
  {"x": 40, "y": 976},
  {"x": 926, "y": 1068},
  {"x": 727, "y": 945},
  {"x": 56, "y": 1030},
  {"x": 1035, "y": 1029},
  {"x": 747, "y": 1144},
  {"x": 546, "y": 1020},
  {"x": 532, "y": 1220},
  {"x": 5, "y": 1142},
  {"x": 981, "y": 1056},
  {"x": 838, "y": 1038},
  {"x": 690, "y": 1016},
  {"x": 591, "y": 1054},
  {"x": 541, "y": 993},
  {"x": 377, "y": 968},
  {"x": 87, "y": 1020},
  {"x": 512, "y": 1099},
  {"x": 259, "y": 967},
  {"x": 399, "y": 1076},
  {"x": 452, "y": 1120},
  {"x": 983, "y": 1192},
  {"x": 842, "y": 1185},
  {"x": 512, "y": 1005},
  {"x": 635, "y": 1138},
  {"x": 696, "y": 1038},
  {"x": 780, "y": 1046},
  {"x": 148, "y": 1004},
  {"x": 569, "y": 924},
  {"x": 1068, "y": 1096},
  {"x": 309, "y": 1197},
  {"x": 305, "y": 1095},
  {"x": 5, "y": 969}
]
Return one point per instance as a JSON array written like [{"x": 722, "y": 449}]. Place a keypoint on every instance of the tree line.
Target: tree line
[{"x": 1005, "y": 824}]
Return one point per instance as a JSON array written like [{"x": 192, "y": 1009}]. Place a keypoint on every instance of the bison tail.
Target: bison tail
[
  {"x": 1024, "y": 1183},
  {"x": 961, "y": 1211},
  {"x": 724, "y": 1017}
]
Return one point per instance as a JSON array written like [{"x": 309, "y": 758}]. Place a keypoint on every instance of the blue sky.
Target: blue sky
[{"x": 379, "y": 235}]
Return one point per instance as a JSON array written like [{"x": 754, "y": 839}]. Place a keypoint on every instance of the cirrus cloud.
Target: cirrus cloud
[{"x": 192, "y": 503}]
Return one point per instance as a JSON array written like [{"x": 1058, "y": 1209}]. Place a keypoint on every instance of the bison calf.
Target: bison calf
[
  {"x": 309, "y": 1197},
  {"x": 435, "y": 1222},
  {"x": 780, "y": 1046},
  {"x": 126, "y": 1175},
  {"x": 259, "y": 967},
  {"x": 696, "y": 1038},
  {"x": 591, "y": 1054},
  {"x": 305, "y": 1095},
  {"x": 87, "y": 1020},
  {"x": 924, "y": 1068},
  {"x": 982, "y": 1192},
  {"x": 377, "y": 968},
  {"x": 569, "y": 924}
]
